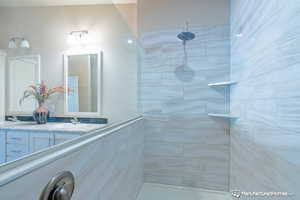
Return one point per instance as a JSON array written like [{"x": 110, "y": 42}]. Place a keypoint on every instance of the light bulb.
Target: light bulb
[
  {"x": 12, "y": 44},
  {"x": 25, "y": 44}
]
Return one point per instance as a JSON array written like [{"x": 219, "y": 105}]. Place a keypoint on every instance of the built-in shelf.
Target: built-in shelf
[
  {"x": 225, "y": 83},
  {"x": 228, "y": 116}
]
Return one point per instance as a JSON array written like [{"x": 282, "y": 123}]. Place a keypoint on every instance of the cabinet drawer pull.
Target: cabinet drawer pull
[
  {"x": 15, "y": 138},
  {"x": 15, "y": 151}
]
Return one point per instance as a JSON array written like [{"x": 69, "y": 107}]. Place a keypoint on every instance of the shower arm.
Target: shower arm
[
  {"x": 185, "y": 53},
  {"x": 184, "y": 45}
]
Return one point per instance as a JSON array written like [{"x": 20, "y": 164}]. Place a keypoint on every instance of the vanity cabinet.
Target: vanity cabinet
[
  {"x": 17, "y": 144},
  {"x": 40, "y": 141},
  {"x": 2, "y": 147}
]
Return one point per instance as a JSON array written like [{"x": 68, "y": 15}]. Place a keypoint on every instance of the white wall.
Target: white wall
[
  {"x": 2, "y": 86},
  {"x": 47, "y": 29},
  {"x": 158, "y": 15},
  {"x": 129, "y": 13}
]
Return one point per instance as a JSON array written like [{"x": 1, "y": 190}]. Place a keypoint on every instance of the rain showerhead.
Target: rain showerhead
[
  {"x": 186, "y": 36},
  {"x": 184, "y": 72}
]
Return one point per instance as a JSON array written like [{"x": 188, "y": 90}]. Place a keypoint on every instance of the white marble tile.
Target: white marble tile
[
  {"x": 266, "y": 63},
  {"x": 178, "y": 122}
]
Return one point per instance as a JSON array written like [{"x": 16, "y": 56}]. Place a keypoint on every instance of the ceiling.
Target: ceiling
[{"x": 16, "y": 3}]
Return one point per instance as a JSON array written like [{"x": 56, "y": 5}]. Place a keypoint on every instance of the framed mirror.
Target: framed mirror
[
  {"x": 21, "y": 72},
  {"x": 83, "y": 71}
]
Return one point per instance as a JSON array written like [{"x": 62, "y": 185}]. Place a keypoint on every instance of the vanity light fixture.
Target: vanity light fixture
[
  {"x": 76, "y": 37},
  {"x": 13, "y": 43}
]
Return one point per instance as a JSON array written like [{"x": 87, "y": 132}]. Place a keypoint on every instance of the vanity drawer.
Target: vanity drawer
[
  {"x": 17, "y": 137},
  {"x": 16, "y": 150}
]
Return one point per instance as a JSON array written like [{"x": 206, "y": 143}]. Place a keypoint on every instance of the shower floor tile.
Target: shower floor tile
[{"x": 152, "y": 191}]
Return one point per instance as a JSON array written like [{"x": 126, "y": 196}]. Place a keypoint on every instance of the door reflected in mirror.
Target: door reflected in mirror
[
  {"x": 83, "y": 78},
  {"x": 22, "y": 72}
]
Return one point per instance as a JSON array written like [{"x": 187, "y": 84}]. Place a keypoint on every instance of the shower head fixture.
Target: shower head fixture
[
  {"x": 183, "y": 72},
  {"x": 186, "y": 35}
]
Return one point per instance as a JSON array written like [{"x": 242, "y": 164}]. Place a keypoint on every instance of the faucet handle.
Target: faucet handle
[
  {"x": 13, "y": 118},
  {"x": 75, "y": 120}
]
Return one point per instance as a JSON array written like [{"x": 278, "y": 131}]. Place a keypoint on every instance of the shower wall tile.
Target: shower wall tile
[
  {"x": 183, "y": 146},
  {"x": 265, "y": 139}
]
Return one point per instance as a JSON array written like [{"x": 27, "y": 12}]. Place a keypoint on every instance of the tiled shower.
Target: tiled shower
[
  {"x": 257, "y": 149},
  {"x": 183, "y": 145},
  {"x": 231, "y": 128}
]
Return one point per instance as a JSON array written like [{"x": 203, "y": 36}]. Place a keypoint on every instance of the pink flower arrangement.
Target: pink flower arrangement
[{"x": 41, "y": 92}]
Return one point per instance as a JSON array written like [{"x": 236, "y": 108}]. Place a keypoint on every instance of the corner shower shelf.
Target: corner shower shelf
[
  {"x": 226, "y": 83},
  {"x": 227, "y": 116}
]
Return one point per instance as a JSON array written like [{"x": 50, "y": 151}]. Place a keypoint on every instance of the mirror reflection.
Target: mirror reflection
[
  {"x": 63, "y": 47},
  {"x": 82, "y": 80},
  {"x": 22, "y": 72}
]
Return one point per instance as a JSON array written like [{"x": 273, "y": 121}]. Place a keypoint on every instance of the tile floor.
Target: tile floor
[{"x": 152, "y": 191}]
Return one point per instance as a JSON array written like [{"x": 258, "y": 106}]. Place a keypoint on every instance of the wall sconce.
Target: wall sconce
[
  {"x": 78, "y": 37},
  {"x": 13, "y": 43}
]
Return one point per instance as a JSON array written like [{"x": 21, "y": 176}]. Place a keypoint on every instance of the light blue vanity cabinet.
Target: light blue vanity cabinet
[
  {"x": 21, "y": 139},
  {"x": 17, "y": 144},
  {"x": 40, "y": 141},
  {"x": 2, "y": 147}
]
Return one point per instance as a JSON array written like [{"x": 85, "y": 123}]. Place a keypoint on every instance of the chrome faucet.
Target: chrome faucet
[
  {"x": 75, "y": 121},
  {"x": 13, "y": 119}
]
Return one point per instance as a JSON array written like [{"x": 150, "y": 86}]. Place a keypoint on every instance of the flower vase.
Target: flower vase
[{"x": 41, "y": 114}]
